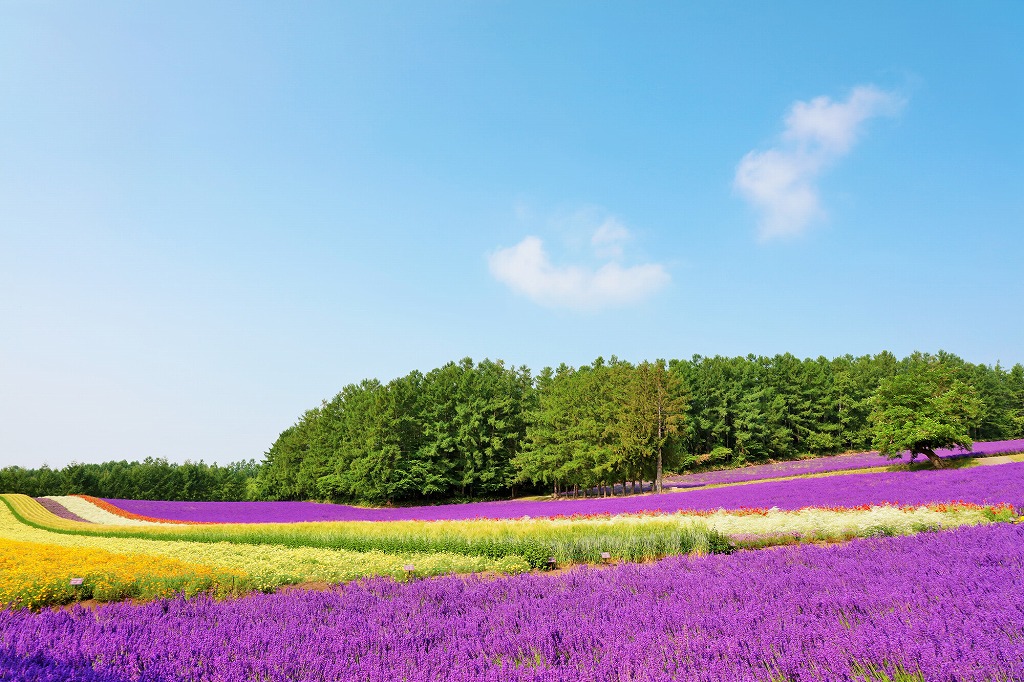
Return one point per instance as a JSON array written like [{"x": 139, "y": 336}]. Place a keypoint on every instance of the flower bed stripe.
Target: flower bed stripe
[
  {"x": 577, "y": 539},
  {"x": 831, "y": 463},
  {"x": 94, "y": 514},
  {"x": 979, "y": 485},
  {"x": 268, "y": 566},
  {"x": 127, "y": 515},
  {"x": 942, "y": 606},
  {"x": 57, "y": 509},
  {"x": 34, "y": 575}
]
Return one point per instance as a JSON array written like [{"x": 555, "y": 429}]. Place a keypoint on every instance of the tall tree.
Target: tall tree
[
  {"x": 1016, "y": 383},
  {"x": 923, "y": 408}
]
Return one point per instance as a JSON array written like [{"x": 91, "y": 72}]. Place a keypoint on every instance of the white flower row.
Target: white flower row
[
  {"x": 827, "y": 521},
  {"x": 824, "y": 521},
  {"x": 90, "y": 512}
]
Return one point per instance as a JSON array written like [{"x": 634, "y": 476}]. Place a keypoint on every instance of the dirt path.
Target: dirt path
[{"x": 1001, "y": 459}]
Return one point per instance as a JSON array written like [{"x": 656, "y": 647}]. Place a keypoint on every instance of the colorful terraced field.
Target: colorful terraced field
[{"x": 898, "y": 575}]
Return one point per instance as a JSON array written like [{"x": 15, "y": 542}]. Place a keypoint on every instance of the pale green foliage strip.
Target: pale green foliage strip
[{"x": 571, "y": 540}]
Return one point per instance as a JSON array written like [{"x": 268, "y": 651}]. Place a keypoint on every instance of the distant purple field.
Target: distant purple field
[
  {"x": 980, "y": 485},
  {"x": 948, "y": 606},
  {"x": 818, "y": 465}
]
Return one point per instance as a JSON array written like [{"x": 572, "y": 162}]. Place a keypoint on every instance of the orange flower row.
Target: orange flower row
[{"x": 117, "y": 511}]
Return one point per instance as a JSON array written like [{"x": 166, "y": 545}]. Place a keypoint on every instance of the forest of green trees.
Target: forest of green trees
[
  {"x": 486, "y": 430},
  {"x": 151, "y": 479}
]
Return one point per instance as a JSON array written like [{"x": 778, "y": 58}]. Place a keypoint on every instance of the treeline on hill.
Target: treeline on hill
[
  {"x": 486, "y": 430},
  {"x": 471, "y": 431},
  {"x": 151, "y": 479}
]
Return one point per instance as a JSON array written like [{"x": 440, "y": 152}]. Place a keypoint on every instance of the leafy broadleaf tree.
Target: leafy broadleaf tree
[{"x": 923, "y": 408}]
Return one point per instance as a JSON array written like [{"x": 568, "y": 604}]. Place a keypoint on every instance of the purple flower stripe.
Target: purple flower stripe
[
  {"x": 946, "y": 605},
  {"x": 57, "y": 509},
  {"x": 40, "y": 667},
  {"x": 819, "y": 465},
  {"x": 1002, "y": 483}
]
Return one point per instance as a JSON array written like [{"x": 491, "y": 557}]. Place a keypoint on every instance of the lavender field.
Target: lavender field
[
  {"x": 946, "y": 606},
  {"x": 979, "y": 485},
  {"x": 819, "y": 465},
  {"x": 939, "y": 605}
]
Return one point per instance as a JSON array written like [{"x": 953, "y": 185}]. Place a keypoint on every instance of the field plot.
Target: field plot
[
  {"x": 82, "y": 509},
  {"x": 33, "y": 575},
  {"x": 260, "y": 567},
  {"x": 537, "y": 542},
  {"x": 978, "y": 485},
  {"x": 940, "y": 602},
  {"x": 936, "y": 606},
  {"x": 834, "y": 463}
]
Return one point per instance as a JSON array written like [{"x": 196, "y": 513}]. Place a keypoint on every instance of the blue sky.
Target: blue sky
[{"x": 214, "y": 215}]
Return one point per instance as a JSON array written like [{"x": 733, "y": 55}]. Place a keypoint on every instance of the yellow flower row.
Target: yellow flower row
[
  {"x": 34, "y": 575},
  {"x": 266, "y": 566},
  {"x": 33, "y": 512}
]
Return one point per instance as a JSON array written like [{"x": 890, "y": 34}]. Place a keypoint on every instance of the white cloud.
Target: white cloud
[
  {"x": 781, "y": 182},
  {"x": 609, "y": 237},
  {"x": 527, "y": 269}
]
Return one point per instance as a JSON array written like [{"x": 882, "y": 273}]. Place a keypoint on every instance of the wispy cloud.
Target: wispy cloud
[
  {"x": 781, "y": 182},
  {"x": 609, "y": 237},
  {"x": 526, "y": 269}
]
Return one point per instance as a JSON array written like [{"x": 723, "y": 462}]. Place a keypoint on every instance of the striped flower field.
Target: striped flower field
[
  {"x": 901, "y": 576},
  {"x": 942, "y": 607}
]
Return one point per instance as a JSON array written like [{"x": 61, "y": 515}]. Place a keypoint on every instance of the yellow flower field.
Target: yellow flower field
[
  {"x": 34, "y": 575},
  {"x": 266, "y": 566}
]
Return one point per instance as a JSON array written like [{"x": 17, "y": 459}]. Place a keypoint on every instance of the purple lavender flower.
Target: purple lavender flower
[
  {"x": 57, "y": 509},
  {"x": 980, "y": 485},
  {"x": 819, "y": 465},
  {"x": 949, "y": 606}
]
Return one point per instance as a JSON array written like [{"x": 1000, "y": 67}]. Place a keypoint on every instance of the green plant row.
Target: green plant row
[{"x": 536, "y": 541}]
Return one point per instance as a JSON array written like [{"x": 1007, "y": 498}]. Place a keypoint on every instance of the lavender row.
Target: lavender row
[
  {"x": 949, "y": 606},
  {"x": 818, "y": 465},
  {"x": 981, "y": 485},
  {"x": 57, "y": 509},
  {"x": 40, "y": 667}
]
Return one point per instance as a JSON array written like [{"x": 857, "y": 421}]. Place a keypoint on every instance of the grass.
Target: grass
[
  {"x": 870, "y": 672},
  {"x": 865, "y": 672}
]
